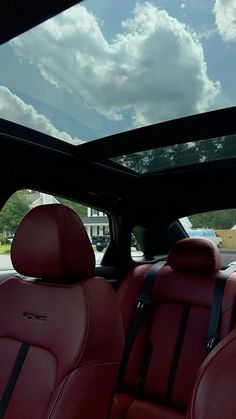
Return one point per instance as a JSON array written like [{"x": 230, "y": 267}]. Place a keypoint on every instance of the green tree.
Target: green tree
[
  {"x": 178, "y": 155},
  {"x": 223, "y": 219},
  {"x": 13, "y": 212}
]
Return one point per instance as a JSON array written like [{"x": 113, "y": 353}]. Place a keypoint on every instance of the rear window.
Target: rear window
[{"x": 219, "y": 227}]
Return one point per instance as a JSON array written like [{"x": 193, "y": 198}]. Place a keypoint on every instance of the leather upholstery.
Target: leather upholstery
[
  {"x": 195, "y": 255},
  {"x": 127, "y": 407},
  {"x": 51, "y": 242},
  {"x": 173, "y": 290},
  {"x": 74, "y": 330},
  {"x": 214, "y": 392}
]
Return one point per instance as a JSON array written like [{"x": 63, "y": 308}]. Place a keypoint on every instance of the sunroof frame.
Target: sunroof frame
[
  {"x": 205, "y": 126},
  {"x": 180, "y": 155}
]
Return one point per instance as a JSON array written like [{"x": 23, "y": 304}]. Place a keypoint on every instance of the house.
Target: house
[
  {"x": 39, "y": 198},
  {"x": 96, "y": 223}
]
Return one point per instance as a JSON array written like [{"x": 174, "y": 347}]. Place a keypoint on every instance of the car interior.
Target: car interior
[{"x": 144, "y": 336}]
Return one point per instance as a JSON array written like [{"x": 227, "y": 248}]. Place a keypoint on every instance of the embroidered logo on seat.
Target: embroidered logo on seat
[{"x": 34, "y": 316}]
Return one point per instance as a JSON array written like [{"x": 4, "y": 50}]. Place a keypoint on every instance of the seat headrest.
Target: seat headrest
[
  {"x": 194, "y": 255},
  {"x": 52, "y": 243}
]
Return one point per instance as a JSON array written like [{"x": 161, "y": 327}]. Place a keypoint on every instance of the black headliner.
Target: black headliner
[{"x": 17, "y": 16}]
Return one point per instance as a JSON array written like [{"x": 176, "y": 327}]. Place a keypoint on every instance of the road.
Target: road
[{"x": 5, "y": 262}]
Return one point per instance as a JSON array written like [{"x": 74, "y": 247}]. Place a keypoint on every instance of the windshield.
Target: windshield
[{"x": 105, "y": 66}]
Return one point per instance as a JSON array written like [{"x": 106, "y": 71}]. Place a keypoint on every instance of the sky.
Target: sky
[{"x": 105, "y": 66}]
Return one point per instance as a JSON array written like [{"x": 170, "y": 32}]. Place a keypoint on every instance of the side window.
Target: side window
[
  {"x": 136, "y": 250},
  {"x": 95, "y": 222},
  {"x": 97, "y": 226}
]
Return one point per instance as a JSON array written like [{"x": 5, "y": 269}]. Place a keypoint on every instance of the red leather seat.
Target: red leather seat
[
  {"x": 214, "y": 392},
  {"x": 170, "y": 345},
  {"x": 67, "y": 323}
]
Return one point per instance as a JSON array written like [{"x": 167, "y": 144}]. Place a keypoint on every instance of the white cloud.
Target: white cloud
[
  {"x": 15, "y": 109},
  {"x": 225, "y": 19},
  {"x": 209, "y": 33},
  {"x": 154, "y": 67}
]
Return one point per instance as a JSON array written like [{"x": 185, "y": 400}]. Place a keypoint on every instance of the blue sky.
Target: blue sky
[{"x": 107, "y": 66}]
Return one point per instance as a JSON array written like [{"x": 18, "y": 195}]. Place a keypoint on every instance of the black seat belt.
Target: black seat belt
[
  {"x": 20, "y": 359},
  {"x": 143, "y": 300},
  {"x": 214, "y": 318}
]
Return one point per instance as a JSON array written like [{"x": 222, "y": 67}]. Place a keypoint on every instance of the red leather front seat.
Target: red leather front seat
[
  {"x": 214, "y": 392},
  {"x": 61, "y": 332}
]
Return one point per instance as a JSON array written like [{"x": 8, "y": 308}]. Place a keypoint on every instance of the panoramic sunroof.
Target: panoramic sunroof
[
  {"x": 104, "y": 67},
  {"x": 180, "y": 155}
]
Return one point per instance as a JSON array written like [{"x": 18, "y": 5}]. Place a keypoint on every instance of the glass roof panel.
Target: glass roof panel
[
  {"x": 103, "y": 67},
  {"x": 180, "y": 155}
]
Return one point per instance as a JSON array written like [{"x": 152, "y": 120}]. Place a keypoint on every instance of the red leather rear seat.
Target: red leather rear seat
[
  {"x": 66, "y": 323},
  {"x": 181, "y": 302}
]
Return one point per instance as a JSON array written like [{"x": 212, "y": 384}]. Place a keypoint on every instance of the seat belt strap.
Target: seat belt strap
[
  {"x": 143, "y": 300},
  {"x": 215, "y": 313},
  {"x": 13, "y": 378}
]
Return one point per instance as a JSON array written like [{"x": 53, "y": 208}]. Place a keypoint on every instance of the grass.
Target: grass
[{"x": 5, "y": 248}]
